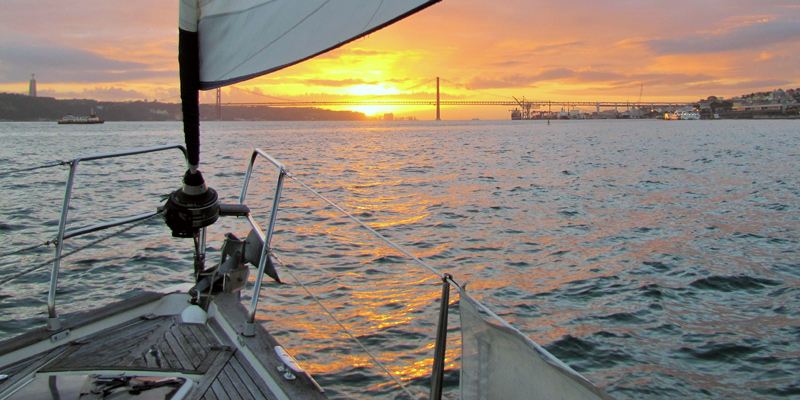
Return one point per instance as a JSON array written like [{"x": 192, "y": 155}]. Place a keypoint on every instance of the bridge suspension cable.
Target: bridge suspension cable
[{"x": 437, "y": 101}]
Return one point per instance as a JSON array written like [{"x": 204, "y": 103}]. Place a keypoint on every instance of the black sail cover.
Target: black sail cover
[{"x": 222, "y": 42}]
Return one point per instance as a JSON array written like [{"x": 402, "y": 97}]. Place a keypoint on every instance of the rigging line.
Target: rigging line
[
  {"x": 365, "y": 226},
  {"x": 90, "y": 244},
  {"x": 29, "y": 248},
  {"x": 373, "y": 16},
  {"x": 461, "y": 288},
  {"x": 344, "y": 329},
  {"x": 50, "y": 165},
  {"x": 240, "y": 11},
  {"x": 402, "y": 250},
  {"x": 427, "y": 84}
]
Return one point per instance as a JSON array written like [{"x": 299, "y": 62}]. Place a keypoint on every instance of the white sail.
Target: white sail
[
  {"x": 242, "y": 39},
  {"x": 499, "y": 362}
]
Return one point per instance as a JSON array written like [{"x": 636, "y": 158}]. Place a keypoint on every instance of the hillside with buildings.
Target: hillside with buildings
[
  {"x": 17, "y": 107},
  {"x": 778, "y": 103}
]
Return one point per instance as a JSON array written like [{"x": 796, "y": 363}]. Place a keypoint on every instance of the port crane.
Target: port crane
[{"x": 524, "y": 108}]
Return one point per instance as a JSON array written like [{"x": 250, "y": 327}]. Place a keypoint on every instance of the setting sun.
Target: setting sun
[{"x": 371, "y": 111}]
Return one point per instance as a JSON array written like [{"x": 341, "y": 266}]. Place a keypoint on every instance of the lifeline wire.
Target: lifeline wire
[
  {"x": 14, "y": 171},
  {"x": 29, "y": 248},
  {"x": 100, "y": 240},
  {"x": 345, "y": 330},
  {"x": 397, "y": 247},
  {"x": 365, "y": 226}
]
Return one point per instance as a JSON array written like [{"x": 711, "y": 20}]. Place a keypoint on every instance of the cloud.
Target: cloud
[
  {"x": 616, "y": 79},
  {"x": 518, "y": 54},
  {"x": 744, "y": 85},
  {"x": 750, "y": 36},
  {"x": 668, "y": 79},
  {"x": 553, "y": 48},
  {"x": 670, "y": 85},
  {"x": 553, "y": 74},
  {"x": 346, "y": 53},
  {"x": 363, "y": 52},
  {"x": 519, "y": 80},
  {"x": 66, "y": 64},
  {"x": 237, "y": 93},
  {"x": 337, "y": 82}
]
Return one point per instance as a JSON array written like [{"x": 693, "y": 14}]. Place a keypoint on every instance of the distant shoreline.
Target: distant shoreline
[
  {"x": 21, "y": 108},
  {"x": 422, "y": 121}
]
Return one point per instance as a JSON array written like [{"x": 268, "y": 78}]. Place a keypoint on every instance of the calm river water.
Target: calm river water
[{"x": 660, "y": 259}]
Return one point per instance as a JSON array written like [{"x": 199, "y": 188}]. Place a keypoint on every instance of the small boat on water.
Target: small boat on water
[
  {"x": 197, "y": 340},
  {"x": 70, "y": 119},
  {"x": 685, "y": 115}
]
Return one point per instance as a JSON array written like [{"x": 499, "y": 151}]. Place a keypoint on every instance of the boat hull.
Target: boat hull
[{"x": 149, "y": 336}]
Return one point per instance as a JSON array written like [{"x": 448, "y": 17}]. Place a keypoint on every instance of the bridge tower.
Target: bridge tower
[
  {"x": 438, "y": 113},
  {"x": 219, "y": 104}
]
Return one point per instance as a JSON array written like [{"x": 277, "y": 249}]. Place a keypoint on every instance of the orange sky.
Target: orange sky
[{"x": 577, "y": 50}]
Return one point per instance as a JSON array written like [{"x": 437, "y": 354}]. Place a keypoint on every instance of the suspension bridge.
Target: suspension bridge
[{"x": 524, "y": 106}]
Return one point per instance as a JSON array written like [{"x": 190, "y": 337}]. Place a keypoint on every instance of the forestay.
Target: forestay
[
  {"x": 499, "y": 362},
  {"x": 242, "y": 39}
]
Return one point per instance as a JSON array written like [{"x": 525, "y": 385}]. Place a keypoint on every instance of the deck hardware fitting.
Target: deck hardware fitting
[{"x": 59, "y": 336}]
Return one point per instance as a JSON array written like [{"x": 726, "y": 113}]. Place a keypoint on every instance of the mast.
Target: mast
[
  {"x": 194, "y": 206},
  {"x": 189, "y": 64},
  {"x": 222, "y": 42}
]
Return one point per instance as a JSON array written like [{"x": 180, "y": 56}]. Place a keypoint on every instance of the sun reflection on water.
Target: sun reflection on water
[{"x": 643, "y": 242}]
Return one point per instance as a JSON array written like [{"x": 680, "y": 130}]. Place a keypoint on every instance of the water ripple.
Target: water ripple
[{"x": 658, "y": 259}]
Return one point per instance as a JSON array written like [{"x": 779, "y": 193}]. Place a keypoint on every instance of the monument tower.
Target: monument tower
[{"x": 32, "y": 86}]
